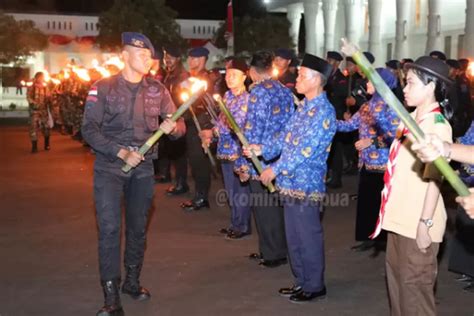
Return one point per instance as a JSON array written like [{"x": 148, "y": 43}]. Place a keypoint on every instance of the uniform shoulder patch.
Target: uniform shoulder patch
[{"x": 439, "y": 118}]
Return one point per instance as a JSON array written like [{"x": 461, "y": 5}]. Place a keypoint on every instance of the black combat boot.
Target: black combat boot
[
  {"x": 132, "y": 287},
  {"x": 46, "y": 143},
  {"x": 112, "y": 305},
  {"x": 34, "y": 146}
]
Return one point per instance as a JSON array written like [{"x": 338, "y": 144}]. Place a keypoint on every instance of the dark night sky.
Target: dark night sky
[{"x": 187, "y": 9}]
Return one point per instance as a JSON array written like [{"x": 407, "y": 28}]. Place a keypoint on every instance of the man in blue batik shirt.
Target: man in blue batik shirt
[
  {"x": 269, "y": 108},
  {"x": 300, "y": 173}
]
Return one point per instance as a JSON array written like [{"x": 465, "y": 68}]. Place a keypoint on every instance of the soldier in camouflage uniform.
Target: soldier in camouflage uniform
[{"x": 38, "y": 96}]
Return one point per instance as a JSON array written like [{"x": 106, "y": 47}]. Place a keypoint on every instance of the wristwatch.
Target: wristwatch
[{"x": 428, "y": 222}]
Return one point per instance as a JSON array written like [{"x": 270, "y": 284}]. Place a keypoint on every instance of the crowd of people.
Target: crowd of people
[{"x": 304, "y": 127}]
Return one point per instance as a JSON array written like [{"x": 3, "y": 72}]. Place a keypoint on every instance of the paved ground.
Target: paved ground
[{"x": 48, "y": 262}]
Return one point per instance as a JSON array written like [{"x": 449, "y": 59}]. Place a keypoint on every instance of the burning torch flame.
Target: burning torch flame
[
  {"x": 46, "y": 77},
  {"x": 470, "y": 69},
  {"x": 275, "y": 73},
  {"x": 115, "y": 61},
  {"x": 195, "y": 86},
  {"x": 103, "y": 72},
  {"x": 82, "y": 73},
  {"x": 55, "y": 81}
]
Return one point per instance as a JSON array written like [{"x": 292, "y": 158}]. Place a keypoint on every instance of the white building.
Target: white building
[
  {"x": 73, "y": 37},
  {"x": 390, "y": 29}
]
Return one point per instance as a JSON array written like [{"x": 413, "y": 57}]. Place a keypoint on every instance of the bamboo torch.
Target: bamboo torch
[
  {"x": 351, "y": 50},
  {"x": 240, "y": 135}
]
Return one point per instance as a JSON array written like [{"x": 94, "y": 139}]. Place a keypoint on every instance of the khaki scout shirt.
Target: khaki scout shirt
[{"x": 410, "y": 182}]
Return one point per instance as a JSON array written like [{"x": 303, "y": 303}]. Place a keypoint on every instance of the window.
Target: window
[
  {"x": 70, "y": 25},
  {"x": 209, "y": 29},
  {"x": 48, "y": 25},
  {"x": 65, "y": 25},
  {"x": 92, "y": 26},
  {"x": 59, "y": 25},
  {"x": 199, "y": 29},
  {"x": 97, "y": 26},
  {"x": 54, "y": 25},
  {"x": 194, "y": 29},
  {"x": 87, "y": 26}
]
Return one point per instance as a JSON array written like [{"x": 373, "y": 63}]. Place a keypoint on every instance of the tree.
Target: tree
[
  {"x": 19, "y": 39},
  {"x": 256, "y": 33},
  {"x": 150, "y": 17}
]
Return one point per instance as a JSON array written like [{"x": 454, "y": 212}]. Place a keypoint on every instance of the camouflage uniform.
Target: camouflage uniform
[{"x": 38, "y": 97}]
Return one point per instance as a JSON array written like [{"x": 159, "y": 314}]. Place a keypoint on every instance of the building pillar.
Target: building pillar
[
  {"x": 434, "y": 41},
  {"x": 329, "y": 12},
  {"x": 375, "y": 14},
  {"x": 401, "y": 36},
  {"x": 310, "y": 13},
  {"x": 353, "y": 20},
  {"x": 469, "y": 35},
  {"x": 294, "y": 16}
]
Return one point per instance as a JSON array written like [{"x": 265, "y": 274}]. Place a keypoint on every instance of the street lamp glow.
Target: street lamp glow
[{"x": 266, "y": 1}]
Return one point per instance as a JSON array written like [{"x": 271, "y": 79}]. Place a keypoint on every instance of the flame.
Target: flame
[
  {"x": 23, "y": 83},
  {"x": 82, "y": 73},
  {"x": 470, "y": 69},
  {"x": 197, "y": 84},
  {"x": 153, "y": 72},
  {"x": 46, "y": 77},
  {"x": 115, "y": 61},
  {"x": 55, "y": 81},
  {"x": 275, "y": 73},
  {"x": 217, "y": 97},
  {"x": 103, "y": 72},
  {"x": 184, "y": 96},
  {"x": 66, "y": 74}
]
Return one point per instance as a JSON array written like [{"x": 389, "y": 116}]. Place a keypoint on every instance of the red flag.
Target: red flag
[{"x": 230, "y": 18}]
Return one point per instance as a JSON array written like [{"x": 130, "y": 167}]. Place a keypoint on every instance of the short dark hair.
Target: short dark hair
[{"x": 262, "y": 61}]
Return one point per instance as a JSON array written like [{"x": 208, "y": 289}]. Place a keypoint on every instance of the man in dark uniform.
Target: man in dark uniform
[
  {"x": 281, "y": 62},
  {"x": 121, "y": 114},
  {"x": 175, "y": 149},
  {"x": 336, "y": 90},
  {"x": 198, "y": 160}
]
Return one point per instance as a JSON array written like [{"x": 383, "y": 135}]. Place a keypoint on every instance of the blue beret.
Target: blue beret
[
  {"x": 198, "y": 52},
  {"x": 334, "y": 55},
  {"x": 284, "y": 53},
  {"x": 173, "y": 51},
  {"x": 393, "y": 64},
  {"x": 137, "y": 40},
  {"x": 453, "y": 63}
]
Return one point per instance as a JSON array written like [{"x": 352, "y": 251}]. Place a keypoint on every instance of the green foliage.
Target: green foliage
[
  {"x": 150, "y": 17},
  {"x": 256, "y": 33},
  {"x": 19, "y": 39}
]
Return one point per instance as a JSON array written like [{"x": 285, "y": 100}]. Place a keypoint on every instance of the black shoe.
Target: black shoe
[
  {"x": 304, "y": 297},
  {"x": 162, "y": 179},
  {"x": 255, "y": 256},
  {"x": 469, "y": 287},
  {"x": 226, "y": 231},
  {"x": 132, "y": 287},
  {"x": 177, "y": 189},
  {"x": 112, "y": 305},
  {"x": 273, "y": 263},
  {"x": 46, "y": 144},
  {"x": 289, "y": 291},
  {"x": 77, "y": 136},
  {"x": 364, "y": 246},
  {"x": 34, "y": 146},
  {"x": 464, "y": 278},
  {"x": 236, "y": 235},
  {"x": 195, "y": 205}
]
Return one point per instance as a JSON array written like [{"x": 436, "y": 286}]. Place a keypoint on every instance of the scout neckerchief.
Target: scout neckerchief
[{"x": 389, "y": 172}]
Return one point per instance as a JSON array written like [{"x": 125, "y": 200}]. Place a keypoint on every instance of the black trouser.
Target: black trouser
[
  {"x": 269, "y": 220},
  {"x": 172, "y": 151},
  {"x": 138, "y": 191},
  {"x": 199, "y": 162},
  {"x": 336, "y": 160}
]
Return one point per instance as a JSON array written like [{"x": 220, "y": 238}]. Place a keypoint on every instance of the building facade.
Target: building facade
[{"x": 390, "y": 29}]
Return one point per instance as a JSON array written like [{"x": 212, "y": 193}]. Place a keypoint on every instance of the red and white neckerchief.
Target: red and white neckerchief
[{"x": 389, "y": 172}]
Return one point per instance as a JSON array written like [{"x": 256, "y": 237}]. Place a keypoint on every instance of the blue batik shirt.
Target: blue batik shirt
[
  {"x": 269, "y": 109},
  {"x": 228, "y": 146},
  {"x": 304, "y": 148},
  {"x": 376, "y": 121},
  {"x": 467, "y": 171}
]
